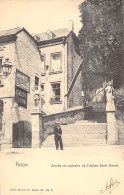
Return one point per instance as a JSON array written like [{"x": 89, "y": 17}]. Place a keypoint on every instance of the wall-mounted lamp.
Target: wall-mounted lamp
[{"x": 6, "y": 68}]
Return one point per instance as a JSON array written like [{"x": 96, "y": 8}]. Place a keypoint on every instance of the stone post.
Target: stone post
[
  {"x": 37, "y": 125},
  {"x": 112, "y": 134}
]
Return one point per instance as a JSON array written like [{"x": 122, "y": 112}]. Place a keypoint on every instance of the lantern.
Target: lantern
[{"x": 7, "y": 67}]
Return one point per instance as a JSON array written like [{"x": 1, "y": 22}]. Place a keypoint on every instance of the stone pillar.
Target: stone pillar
[
  {"x": 37, "y": 126},
  {"x": 7, "y": 123},
  {"x": 112, "y": 134}
]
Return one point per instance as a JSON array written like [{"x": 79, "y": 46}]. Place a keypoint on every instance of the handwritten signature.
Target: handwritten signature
[{"x": 112, "y": 184}]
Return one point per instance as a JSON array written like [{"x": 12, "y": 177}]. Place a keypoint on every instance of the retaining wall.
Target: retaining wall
[{"x": 66, "y": 117}]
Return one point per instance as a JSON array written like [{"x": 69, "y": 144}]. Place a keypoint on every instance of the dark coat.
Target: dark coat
[{"x": 57, "y": 131}]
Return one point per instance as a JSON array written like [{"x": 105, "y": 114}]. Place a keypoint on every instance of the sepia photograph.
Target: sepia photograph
[{"x": 61, "y": 97}]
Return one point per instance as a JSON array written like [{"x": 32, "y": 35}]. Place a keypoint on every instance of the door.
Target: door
[{"x": 22, "y": 135}]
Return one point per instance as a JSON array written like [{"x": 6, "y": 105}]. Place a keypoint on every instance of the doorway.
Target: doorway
[{"x": 22, "y": 135}]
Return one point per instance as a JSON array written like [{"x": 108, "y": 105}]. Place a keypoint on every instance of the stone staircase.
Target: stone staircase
[{"x": 84, "y": 132}]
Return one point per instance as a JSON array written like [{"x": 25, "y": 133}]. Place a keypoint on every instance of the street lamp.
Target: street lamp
[{"x": 6, "y": 68}]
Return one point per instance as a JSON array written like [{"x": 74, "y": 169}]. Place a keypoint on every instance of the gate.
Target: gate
[{"x": 22, "y": 135}]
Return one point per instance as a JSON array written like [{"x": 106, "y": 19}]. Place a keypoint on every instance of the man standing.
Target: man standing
[{"x": 57, "y": 136}]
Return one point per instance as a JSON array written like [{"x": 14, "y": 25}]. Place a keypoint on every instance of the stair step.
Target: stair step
[
  {"x": 76, "y": 136},
  {"x": 98, "y": 139},
  {"x": 83, "y": 132},
  {"x": 73, "y": 144},
  {"x": 84, "y": 121},
  {"x": 84, "y": 129},
  {"x": 86, "y": 124}
]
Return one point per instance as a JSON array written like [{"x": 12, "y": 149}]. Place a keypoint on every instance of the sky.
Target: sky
[{"x": 39, "y": 15}]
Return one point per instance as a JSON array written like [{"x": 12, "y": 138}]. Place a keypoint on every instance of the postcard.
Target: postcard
[{"x": 61, "y": 97}]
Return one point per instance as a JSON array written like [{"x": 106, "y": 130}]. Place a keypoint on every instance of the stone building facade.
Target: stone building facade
[
  {"x": 60, "y": 61},
  {"x": 45, "y": 79},
  {"x": 17, "y": 91}
]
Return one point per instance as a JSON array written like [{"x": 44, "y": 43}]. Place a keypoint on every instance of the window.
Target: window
[
  {"x": 50, "y": 35},
  {"x": 42, "y": 94},
  {"x": 43, "y": 63},
  {"x": 0, "y": 65},
  {"x": 56, "y": 63},
  {"x": 1, "y": 83},
  {"x": 1, "y": 114},
  {"x": 42, "y": 87},
  {"x": 36, "y": 83},
  {"x": 55, "y": 92}
]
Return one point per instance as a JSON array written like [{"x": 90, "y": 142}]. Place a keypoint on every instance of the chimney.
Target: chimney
[{"x": 71, "y": 25}]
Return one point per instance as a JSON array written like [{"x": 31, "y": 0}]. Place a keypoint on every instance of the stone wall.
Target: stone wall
[
  {"x": 120, "y": 127},
  {"x": 28, "y": 62},
  {"x": 24, "y": 56},
  {"x": 73, "y": 61},
  {"x": 122, "y": 40},
  {"x": 66, "y": 117},
  {"x": 7, "y": 90}
]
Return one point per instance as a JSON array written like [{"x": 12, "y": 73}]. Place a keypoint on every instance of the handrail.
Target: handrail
[
  {"x": 74, "y": 79},
  {"x": 98, "y": 92}
]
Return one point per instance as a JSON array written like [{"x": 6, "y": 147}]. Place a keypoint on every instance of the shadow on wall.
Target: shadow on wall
[{"x": 22, "y": 135}]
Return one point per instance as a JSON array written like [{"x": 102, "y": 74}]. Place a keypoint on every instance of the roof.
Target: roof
[
  {"x": 57, "y": 33},
  {"x": 11, "y": 34},
  {"x": 8, "y": 32}
]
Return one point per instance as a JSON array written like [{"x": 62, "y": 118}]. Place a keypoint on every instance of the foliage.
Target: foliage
[
  {"x": 100, "y": 37},
  {"x": 119, "y": 98},
  {"x": 92, "y": 81}
]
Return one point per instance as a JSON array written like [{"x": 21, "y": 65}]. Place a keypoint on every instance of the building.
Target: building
[
  {"x": 61, "y": 77},
  {"x": 17, "y": 91},
  {"x": 46, "y": 78}
]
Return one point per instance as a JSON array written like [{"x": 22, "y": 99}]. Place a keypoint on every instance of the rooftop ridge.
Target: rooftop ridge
[
  {"x": 11, "y": 28},
  {"x": 51, "y": 31},
  {"x": 11, "y": 31},
  {"x": 63, "y": 32}
]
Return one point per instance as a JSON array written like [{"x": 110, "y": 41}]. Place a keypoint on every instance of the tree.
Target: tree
[{"x": 100, "y": 39}]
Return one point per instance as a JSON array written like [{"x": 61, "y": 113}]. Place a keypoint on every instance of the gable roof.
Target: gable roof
[
  {"x": 11, "y": 34},
  {"x": 58, "y": 33},
  {"x": 8, "y": 32}
]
